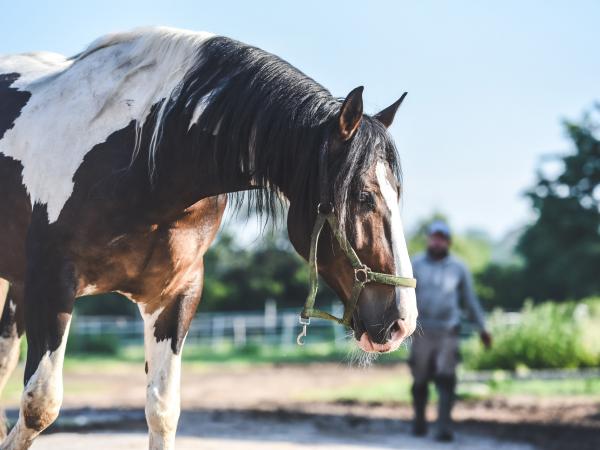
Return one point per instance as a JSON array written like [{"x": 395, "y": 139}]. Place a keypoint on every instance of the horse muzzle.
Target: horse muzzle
[{"x": 384, "y": 318}]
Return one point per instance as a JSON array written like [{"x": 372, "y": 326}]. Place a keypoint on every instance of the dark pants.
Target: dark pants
[{"x": 434, "y": 357}]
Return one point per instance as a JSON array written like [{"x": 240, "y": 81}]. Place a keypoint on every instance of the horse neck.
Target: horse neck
[{"x": 197, "y": 169}]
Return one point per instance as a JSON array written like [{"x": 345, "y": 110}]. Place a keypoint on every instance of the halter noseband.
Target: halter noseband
[{"x": 362, "y": 273}]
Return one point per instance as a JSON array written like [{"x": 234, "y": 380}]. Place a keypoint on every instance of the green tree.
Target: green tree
[
  {"x": 561, "y": 250},
  {"x": 110, "y": 304},
  {"x": 501, "y": 286},
  {"x": 239, "y": 278}
]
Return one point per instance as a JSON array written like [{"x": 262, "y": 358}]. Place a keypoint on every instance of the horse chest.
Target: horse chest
[{"x": 155, "y": 262}]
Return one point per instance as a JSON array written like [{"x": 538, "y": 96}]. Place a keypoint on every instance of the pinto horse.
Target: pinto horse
[{"x": 115, "y": 169}]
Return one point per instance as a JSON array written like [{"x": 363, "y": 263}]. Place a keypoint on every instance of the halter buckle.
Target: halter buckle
[
  {"x": 361, "y": 275},
  {"x": 305, "y": 322},
  {"x": 325, "y": 208}
]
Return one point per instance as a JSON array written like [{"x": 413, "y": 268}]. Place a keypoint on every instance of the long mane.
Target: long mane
[
  {"x": 267, "y": 121},
  {"x": 261, "y": 118}
]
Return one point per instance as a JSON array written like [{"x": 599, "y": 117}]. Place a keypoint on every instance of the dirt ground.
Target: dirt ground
[
  {"x": 251, "y": 431},
  {"x": 266, "y": 407}
]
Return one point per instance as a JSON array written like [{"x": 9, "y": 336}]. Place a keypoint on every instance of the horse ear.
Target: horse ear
[
  {"x": 386, "y": 116},
  {"x": 351, "y": 113}
]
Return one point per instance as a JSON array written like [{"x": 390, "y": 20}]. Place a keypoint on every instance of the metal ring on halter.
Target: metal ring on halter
[
  {"x": 321, "y": 210},
  {"x": 304, "y": 322},
  {"x": 361, "y": 275}
]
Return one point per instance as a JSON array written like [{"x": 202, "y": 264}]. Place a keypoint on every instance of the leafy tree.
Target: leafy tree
[
  {"x": 111, "y": 304},
  {"x": 561, "y": 250},
  {"x": 240, "y": 278},
  {"x": 501, "y": 286}
]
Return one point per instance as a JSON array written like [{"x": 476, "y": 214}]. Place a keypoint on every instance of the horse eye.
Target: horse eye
[{"x": 367, "y": 199}]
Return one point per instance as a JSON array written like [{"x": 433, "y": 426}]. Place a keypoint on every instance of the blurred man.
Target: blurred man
[{"x": 444, "y": 284}]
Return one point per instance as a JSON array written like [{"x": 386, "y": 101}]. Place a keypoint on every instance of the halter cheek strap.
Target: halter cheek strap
[{"x": 362, "y": 274}]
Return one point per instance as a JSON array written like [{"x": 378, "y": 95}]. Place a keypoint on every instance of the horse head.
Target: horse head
[{"x": 362, "y": 251}]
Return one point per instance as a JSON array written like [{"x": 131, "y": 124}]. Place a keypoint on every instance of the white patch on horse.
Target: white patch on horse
[
  {"x": 42, "y": 396},
  {"x": 9, "y": 355},
  {"x": 90, "y": 289},
  {"x": 403, "y": 266},
  {"x": 4, "y": 287},
  {"x": 127, "y": 295},
  {"x": 163, "y": 388},
  {"x": 77, "y": 103},
  {"x": 9, "y": 348}
]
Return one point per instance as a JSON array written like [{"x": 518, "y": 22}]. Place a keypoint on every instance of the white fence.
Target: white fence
[
  {"x": 270, "y": 326},
  {"x": 240, "y": 328}
]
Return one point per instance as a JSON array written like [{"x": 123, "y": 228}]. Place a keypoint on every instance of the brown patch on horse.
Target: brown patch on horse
[{"x": 157, "y": 263}]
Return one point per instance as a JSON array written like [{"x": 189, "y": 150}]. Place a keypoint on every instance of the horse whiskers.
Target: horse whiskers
[
  {"x": 347, "y": 336},
  {"x": 419, "y": 329},
  {"x": 407, "y": 342},
  {"x": 358, "y": 357}
]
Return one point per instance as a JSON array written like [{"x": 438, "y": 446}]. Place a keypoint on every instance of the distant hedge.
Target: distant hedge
[
  {"x": 102, "y": 344},
  {"x": 549, "y": 335}
]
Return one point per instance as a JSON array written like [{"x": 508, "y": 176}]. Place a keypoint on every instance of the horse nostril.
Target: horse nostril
[
  {"x": 391, "y": 330},
  {"x": 397, "y": 330}
]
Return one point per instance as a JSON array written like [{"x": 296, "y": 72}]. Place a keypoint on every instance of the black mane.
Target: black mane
[{"x": 266, "y": 122}]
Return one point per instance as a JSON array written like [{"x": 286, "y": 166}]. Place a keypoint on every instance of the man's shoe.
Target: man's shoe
[
  {"x": 444, "y": 436},
  {"x": 420, "y": 393},
  {"x": 419, "y": 428}
]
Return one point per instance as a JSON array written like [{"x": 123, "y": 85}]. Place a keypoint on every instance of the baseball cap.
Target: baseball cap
[{"x": 440, "y": 227}]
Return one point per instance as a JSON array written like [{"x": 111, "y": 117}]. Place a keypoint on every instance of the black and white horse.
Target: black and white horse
[{"x": 115, "y": 169}]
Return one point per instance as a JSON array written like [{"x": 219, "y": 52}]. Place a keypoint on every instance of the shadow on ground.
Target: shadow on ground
[{"x": 288, "y": 429}]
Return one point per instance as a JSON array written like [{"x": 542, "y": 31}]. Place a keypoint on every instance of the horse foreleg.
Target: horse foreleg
[
  {"x": 165, "y": 329},
  {"x": 49, "y": 297},
  {"x": 11, "y": 326},
  {"x": 4, "y": 286}
]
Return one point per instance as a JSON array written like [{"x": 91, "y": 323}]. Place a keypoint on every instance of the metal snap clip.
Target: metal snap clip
[
  {"x": 326, "y": 208},
  {"x": 304, "y": 322}
]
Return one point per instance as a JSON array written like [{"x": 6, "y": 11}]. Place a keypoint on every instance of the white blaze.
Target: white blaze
[
  {"x": 401, "y": 258},
  {"x": 403, "y": 265}
]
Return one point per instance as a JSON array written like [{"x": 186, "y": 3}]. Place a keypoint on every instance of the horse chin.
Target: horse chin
[{"x": 367, "y": 345}]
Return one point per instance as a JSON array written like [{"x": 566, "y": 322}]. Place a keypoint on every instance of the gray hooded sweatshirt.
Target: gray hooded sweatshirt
[{"x": 442, "y": 286}]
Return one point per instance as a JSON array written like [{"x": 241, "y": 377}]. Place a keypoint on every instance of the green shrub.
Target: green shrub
[
  {"x": 549, "y": 335},
  {"x": 102, "y": 344}
]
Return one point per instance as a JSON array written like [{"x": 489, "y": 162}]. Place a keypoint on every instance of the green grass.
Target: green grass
[
  {"x": 546, "y": 388},
  {"x": 381, "y": 388},
  {"x": 250, "y": 354},
  {"x": 397, "y": 390},
  {"x": 549, "y": 336}
]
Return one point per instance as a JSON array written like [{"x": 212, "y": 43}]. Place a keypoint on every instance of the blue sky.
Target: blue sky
[{"x": 488, "y": 82}]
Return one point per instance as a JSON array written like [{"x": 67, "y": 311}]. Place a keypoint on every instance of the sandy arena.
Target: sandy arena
[{"x": 266, "y": 408}]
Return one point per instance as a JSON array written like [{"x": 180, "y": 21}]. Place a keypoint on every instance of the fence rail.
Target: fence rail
[{"x": 270, "y": 326}]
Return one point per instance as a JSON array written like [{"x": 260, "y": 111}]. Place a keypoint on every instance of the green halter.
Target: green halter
[{"x": 362, "y": 274}]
